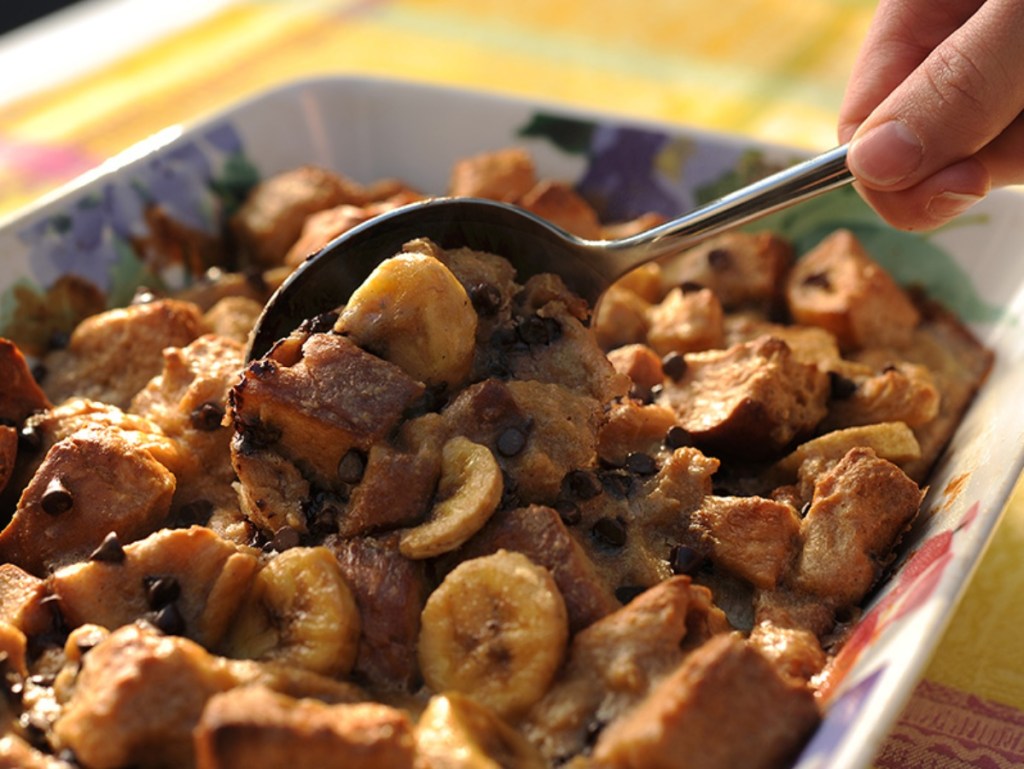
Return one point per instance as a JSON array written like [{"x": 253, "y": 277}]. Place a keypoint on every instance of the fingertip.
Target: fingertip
[
  {"x": 934, "y": 201},
  {"x": 883, "y": 156},
  {"x": 949, "y": 205}
]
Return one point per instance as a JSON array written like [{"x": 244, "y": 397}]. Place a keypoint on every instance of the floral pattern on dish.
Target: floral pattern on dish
[{"x": 157, "y": 226}]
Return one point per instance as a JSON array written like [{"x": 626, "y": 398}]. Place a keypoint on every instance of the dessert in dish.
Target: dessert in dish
[{"x": 463, "y": 520}]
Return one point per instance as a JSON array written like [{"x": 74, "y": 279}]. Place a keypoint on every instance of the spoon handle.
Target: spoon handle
[{"x": 805, "y": 180}]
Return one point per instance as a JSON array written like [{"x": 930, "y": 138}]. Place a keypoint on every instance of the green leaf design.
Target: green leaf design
[
  {"x": 128, "y": 274},
  {"x": 571, "y": 136},
  {"x": 237, "y": 178}
]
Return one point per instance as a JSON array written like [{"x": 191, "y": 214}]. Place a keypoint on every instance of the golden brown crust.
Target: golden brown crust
[
  {"x": 751, "y": 400},
  {"x": 839, "y": 287},
  {"x": 252, "y": 727},
  {"x": 725, "y": 706},
  {"x": 20, "y": 395},
  {"x": 89, "y": 484},
  {"x": 201, "y": 575},
  {"x": 507, "y": 175},
  {"x": 272, "y": 217},
  {"x": 113, "y": 355},
  {"x": 336, "y": 397},
  {"x": 859, "y": 509}
]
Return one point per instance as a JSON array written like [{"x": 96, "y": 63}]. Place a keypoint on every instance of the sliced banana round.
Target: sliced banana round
[
  {"x": 495, "y": 628},
  {"x": 413, "y": 311},
  {"x": 456, "y": 732},
  {"x": 299, "y": 611},
  {"x": 470, "y": 489}
]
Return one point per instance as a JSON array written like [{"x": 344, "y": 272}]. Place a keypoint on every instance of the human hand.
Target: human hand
[{"x": 933, "y": 109}]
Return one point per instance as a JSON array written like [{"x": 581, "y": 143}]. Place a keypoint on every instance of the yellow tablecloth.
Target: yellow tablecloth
[{"x": 772, "y": 69}]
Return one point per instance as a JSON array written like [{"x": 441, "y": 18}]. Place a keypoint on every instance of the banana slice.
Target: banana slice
[
  {"x": 470, "y": 488},
  {"x": 299, "y": 611},
  {"x": 496, "y": 628},
  {"x": 456, "y": 732},
  {"x": 413, "y": 311}
]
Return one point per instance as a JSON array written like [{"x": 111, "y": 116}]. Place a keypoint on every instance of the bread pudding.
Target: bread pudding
[{"x": 465, "y": 520}]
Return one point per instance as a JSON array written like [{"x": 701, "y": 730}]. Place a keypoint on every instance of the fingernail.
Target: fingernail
[
  {"x": 886, "y": 154},
  {"x": 946, "y": 205}
]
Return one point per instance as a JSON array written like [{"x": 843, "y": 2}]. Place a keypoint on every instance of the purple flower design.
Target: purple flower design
[
  {"x": 179, "y": 182},
  {"x": 224, "y": 138},
  {"x": 92, "y": 237},
  {"x": 125, "y": 209},
  {"x": 620, "y": 179},
  {"x": 73, "y": 243}
]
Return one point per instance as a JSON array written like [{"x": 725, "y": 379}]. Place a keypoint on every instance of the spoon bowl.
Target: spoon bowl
[{"x": 533, "y": 245}]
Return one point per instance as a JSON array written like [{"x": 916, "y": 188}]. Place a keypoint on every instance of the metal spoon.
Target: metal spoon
[{"x": 326, "y": 279}]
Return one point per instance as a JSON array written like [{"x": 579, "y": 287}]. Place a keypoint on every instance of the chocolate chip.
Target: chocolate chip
[
  {"x": 30, "y": 438},
  {"x": 676, "y": 437},
  {"x": 617, "y": 483},
  {"x": 610, "y": 531},
  {"x": 719, "y": 259},
  {"x": 511, "y": 441},
  {"x": 805, "y": 508},
  {"x": 627, "y": 593},
  {"x": 58, "y": 624},
  {"x": 486, "y": 298},
  {"x": 568, "y": 511},
  {"x": 642, "y": 394},
  {"x": 256, "y": 434},
  {"x": 169, "y": 620},
  {"x": 683, "y": 559},
  {"x": 841, "y": 387},
  {"x": 674, "y": 366},
  {"x": 818, "y": 280},
  {"x": 262, "y": 368},
  {"x": 581, "y": 484},
  {"x": 57, "y": 498},
  {"x": 352, "y": 466},
  {"x": 59, "y": 339},
  {"x": 109, "y": 550},
  {"x": 285, "y": 538},
  {"x": 641, "y": 463},
  {"x": 504, "y": 337},
  {"x": 536, "y": 331},
  {"x": 690, "y": 286},
  {"x": 161, "y": 591},
  {"x": 194, "y": 513},
  {"x": 321, "y": 512},
  {"x": 554, "y": 329},
  {"x": 207, "y": 416},
  {"x": 319, "y": 324}
]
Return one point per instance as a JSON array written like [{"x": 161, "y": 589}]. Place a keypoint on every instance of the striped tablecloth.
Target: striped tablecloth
[{"x": 94, "y": 81}]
